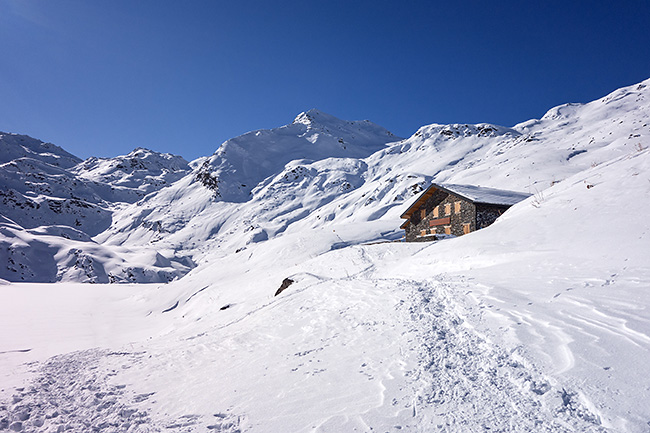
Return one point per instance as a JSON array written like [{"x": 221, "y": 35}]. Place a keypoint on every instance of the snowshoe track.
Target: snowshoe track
[
  {"x": 76, "y": 392},
  {"x": 466, "y": 383}
]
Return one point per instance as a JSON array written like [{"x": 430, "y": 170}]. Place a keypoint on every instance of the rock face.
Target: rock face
[{"x": 285, "y": 284}]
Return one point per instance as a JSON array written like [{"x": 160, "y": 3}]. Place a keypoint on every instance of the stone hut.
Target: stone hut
[{"x": 447, "y": 209}]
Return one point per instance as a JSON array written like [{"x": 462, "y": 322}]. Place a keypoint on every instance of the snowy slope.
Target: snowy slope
[
  {"x": 134, "y": 175},
  {"x": 15, "y": 146},
  {"x": 565, "y": 280},
  {"x": 243, "y": 162},
  {"x": 52, "y": 204},
  {"x": 535, "y": 154},
  {"x": 289, "y": 189},
  {"x": 537, "y": 323}
]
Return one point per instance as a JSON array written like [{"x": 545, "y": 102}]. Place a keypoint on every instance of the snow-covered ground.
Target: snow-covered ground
[{"x": 540, "y": 322}]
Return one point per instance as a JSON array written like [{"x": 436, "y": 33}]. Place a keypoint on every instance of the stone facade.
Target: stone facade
[
  {"x": 443, "y": 213},
  {"x": 486, "y": 214}
]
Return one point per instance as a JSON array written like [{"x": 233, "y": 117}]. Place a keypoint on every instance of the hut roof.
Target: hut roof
[{"x": 473, "y": 193}]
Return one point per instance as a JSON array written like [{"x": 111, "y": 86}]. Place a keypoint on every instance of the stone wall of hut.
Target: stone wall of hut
[
  {"x": 487, "y": 214},
  {"x": 442, "y": 214}
]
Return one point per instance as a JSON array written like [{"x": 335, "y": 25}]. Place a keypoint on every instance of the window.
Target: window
[
  {"x": 466, "y": 228},
  {"x": 423, "y": 232},
  {"x": 436, "y": 211},
  {"x": 423, "y": 213},
  {"x": 448, "y": 229},
  {"x": 448, "y": 209},
  {"x": 457, "y": 207}
]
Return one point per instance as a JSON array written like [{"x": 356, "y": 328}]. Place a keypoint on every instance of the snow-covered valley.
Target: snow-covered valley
[{"x": 540, "y": 322}]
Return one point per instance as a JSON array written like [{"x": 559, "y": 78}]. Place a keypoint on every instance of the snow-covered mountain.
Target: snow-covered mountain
[
  {"x": 15, "y": 146},
  {"x": 297, "y": 177},
  {"x": 315, "y": 172},
  {"x": 134, "y": 175},
  {"x": 52, "y": 204},
  {"x": 241, "y": 163},
  {"x": 254, "y": 186},
  {"x": 536, "y": 323}
]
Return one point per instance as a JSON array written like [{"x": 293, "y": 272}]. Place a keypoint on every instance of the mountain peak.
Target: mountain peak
[
  {"x": 141, "y": 151},
  {"x": 14, "y": 146},
  {"x": 243, "y": 162},
  {"x": 315, "y": 116}
]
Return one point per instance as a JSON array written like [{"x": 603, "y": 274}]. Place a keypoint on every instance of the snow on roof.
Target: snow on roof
[
  {"x": 480, "y": 194},
  {"x": 473, "y": 193}
]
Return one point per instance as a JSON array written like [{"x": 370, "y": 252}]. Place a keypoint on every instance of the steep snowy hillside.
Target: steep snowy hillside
[
  {"x": 38, "y": 188},
  {"x": 243, "y": 162},
  {"x": 533, "y": 155},
  {"x": 35, "y": 193}
]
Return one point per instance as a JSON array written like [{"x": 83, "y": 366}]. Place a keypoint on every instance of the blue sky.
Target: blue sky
[{"x": 100, "y": 78}]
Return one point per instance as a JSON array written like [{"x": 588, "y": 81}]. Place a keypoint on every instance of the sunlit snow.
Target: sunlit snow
[{"x": 539, "y": 322}]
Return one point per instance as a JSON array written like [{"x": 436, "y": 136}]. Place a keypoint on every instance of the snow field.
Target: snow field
[
  {"x": 41, "y": 320},
  {"x": 469, "y": 383},
  {"x": 339, "y": 350}
]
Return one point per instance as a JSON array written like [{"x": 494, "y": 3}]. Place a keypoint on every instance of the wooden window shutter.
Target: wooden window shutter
[
  {"x": 423, "y": 213},
  {"x": 457, "y": 207},
  {"x": 447, "y": 230},
  {"x": 423, "y": 232},
  {"x": 435, "y": 211},
  {"x": 448, "y": 209},
  {"x": 439, "y": 221},
  {"x": 466, "y": 228}
]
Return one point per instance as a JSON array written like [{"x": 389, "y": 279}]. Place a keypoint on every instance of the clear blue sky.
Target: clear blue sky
[{"x": 102, "y": 77}]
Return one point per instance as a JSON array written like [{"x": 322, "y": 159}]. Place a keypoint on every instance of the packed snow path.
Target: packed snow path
[
  {"x": 467, "y": 383},
  {"x": 358, "y": 353}
]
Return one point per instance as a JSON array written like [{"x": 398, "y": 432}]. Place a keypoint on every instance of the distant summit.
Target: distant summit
[
  {"x": 243, "y": 162},
  {"x": 15, "y": 146},
  {"x": 315, "y": 116}
]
